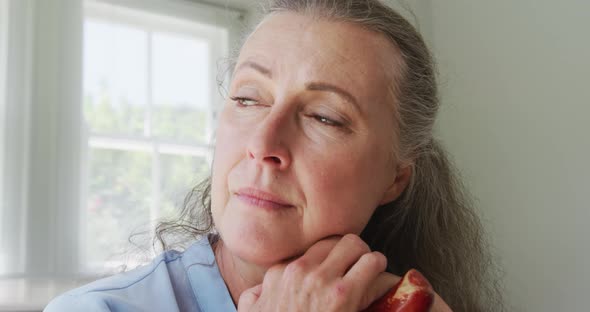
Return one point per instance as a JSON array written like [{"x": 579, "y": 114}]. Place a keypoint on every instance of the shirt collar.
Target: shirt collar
[{"x": 205, "y": 278}]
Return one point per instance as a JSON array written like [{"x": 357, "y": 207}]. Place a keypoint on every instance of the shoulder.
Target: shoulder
[
  {"x": 159, "y": 286},
  {"x": 69, "y": 302}
]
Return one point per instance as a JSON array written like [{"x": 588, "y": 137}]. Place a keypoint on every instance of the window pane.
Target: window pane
[
  {"x": 119, "y": 188},
  {"x": 147, "y": 104},
  {"x": 181, "y": 88},
  {"x": 115, "y": 83},
  {"x": 180, "y": 174}
]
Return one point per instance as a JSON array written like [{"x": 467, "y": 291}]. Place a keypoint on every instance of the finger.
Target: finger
[
  {"x": 382, "y": 285},
  {"x": 344, "y": 255},
  {"x": 249, "y": 298},
  {"x": 317, "y": 253},
  {"x": 298, "y": 269},
  {"x": 369, "y": 276},
  {"x": 272, "y": 278}
]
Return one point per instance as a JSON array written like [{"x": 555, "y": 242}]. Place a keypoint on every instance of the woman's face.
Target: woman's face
[{"x": 304, "y": 141}]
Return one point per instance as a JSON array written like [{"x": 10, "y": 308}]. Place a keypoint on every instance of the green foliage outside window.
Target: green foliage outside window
[{"x": 121, "y": 183}]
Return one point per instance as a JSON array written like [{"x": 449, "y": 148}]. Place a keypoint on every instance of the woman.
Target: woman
[{"x": 327, "y": 183}]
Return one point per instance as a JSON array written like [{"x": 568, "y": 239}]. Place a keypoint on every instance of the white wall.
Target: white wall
[{"x": 516, "y": 94}]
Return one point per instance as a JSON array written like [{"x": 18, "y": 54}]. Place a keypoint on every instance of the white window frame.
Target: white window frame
[
  {"x": 145, "y": 21},
  {"x": 42, "y": 150},
  {"x": 174, "y": 17},
  {"x": 42, "y": 131}
]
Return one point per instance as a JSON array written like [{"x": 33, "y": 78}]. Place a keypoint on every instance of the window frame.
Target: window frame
[
  {"x": 145, "y": 20},
  {"x": 156, "y": 148},
  {"x": 40, "y": 131},
  {"x": 43, "y": 94}
]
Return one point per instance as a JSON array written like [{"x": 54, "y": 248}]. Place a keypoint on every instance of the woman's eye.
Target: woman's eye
[
  {"x": 327, "y": 121},
  {"x": 242, "y": 101}
]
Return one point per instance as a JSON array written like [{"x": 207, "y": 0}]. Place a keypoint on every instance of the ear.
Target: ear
[{"x": 401, "y": 181}]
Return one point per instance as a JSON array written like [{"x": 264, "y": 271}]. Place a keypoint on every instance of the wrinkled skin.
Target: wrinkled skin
[{"x": 308, "y": 121}]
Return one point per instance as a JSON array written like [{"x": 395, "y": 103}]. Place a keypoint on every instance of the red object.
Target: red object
[{"x": 413, "y": 293}]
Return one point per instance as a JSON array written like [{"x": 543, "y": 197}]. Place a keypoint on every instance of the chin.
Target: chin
[{"x": 257, "y": 245}]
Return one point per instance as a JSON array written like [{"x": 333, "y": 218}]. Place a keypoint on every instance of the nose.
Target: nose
[{"x": 269, "y": 144}]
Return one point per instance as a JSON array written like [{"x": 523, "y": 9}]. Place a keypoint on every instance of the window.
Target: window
[
  {"x": 107, "y": 109},
  {"x": 149, "y": 100}
]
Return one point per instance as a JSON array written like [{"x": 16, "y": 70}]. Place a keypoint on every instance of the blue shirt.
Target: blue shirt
[{"x": 174, "y": 281}]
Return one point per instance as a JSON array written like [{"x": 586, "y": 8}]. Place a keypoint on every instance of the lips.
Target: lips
[{"x": 259, "y": 198}]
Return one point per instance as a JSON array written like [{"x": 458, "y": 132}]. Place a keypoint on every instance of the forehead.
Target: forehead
[{"x": 298, "y": 47}]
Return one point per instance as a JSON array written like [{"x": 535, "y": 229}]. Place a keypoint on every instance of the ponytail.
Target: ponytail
[{"x": 433, "y": 227}]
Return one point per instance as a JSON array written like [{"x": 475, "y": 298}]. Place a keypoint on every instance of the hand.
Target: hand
[
  {"x": 335, "y": 274},
  {"x": 412, "y": 294},
  {"x": 439, "y": 305}
]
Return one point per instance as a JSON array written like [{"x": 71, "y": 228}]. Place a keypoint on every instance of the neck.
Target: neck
[{"x": 238, "y": 274}]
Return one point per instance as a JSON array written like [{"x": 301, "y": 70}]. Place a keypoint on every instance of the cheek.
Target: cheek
[
  {"x": 227, "y": 153},
  {"x": 342, "y": 193}
]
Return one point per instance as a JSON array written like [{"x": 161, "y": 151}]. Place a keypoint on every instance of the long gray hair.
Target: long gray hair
[{"x": 432, "y": 226}]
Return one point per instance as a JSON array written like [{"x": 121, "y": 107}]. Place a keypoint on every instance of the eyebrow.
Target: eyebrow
[
  {"x": 322, "y": 86},
  {"x": 311, "y": 86},
  {"x": 259, "y": 68}
]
